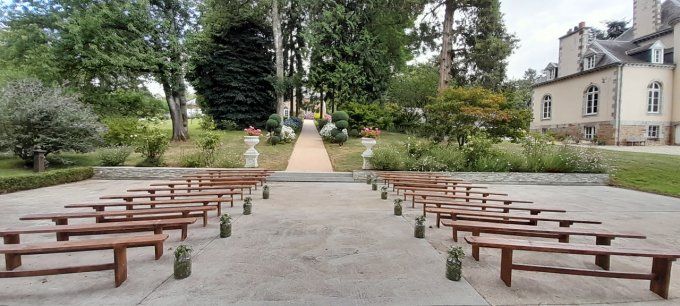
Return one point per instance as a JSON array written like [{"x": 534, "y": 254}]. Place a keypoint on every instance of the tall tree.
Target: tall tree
[
  {"x": 278, "y": 47},
  {"x": 614, "y": 29}
]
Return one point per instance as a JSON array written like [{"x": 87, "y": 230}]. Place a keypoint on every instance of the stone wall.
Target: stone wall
[
  {"x": 628, "y": 131},
  {"x": 604, "y": 130},
  {"x": 142, "y": 173},
  {"x": 516, "y": 178}
]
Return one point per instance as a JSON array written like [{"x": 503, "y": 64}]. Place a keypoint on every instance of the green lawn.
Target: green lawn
[
  {"x": 656, "y": 173},
  {"x": 348, "y": 157}
]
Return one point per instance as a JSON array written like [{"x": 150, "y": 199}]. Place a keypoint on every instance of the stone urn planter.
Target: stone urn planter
[
  {"x": 225, "y": 226},
  {"x": 265, "y": 192},
  {"x": 251, "y": 153},
  {"x": 247, "y": 206},
  {"x": 368, "y": 143},
  {"x": 398, "y": 207},
  {"x": 182, "y": 267},
  {"x": 383, "y": 192},
  {"x": 419, "y": 230},
  {"x": 454, "y": 263},
  {"x": 374, "y": 185}
]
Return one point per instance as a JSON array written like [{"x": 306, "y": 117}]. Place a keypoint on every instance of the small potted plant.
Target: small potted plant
[
  {"x": 383, "y": 192},
  {"x": 419, "y": 231},
  {"x": 397, "y": 207},
  {"x": 182, "y": 262},
  {"x": 265, "y": 192},
  {"x": 369, "y": 179},
  {"x": 374, "y": 184},
  {"x": 225, "y": 226},
  {"x": 454, "y": 263},
  {"x": 247, "y": 205}
]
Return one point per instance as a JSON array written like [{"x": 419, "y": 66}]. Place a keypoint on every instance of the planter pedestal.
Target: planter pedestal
[
  {"x": 251, "y": 154},
  {"x": 368, "y": 143}
]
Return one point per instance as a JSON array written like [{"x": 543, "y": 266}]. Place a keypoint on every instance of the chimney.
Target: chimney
[
  {"x": 581, "y": 25},
  {"x": 646, "y": 17}
]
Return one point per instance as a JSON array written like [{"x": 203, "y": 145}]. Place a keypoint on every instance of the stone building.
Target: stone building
[{"x": 616, "y": 91}]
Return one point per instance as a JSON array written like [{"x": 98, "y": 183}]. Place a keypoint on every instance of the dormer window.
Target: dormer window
[
  {"x": 589, "y": 62},
  {"x": 657, "y": 56},
  {"x": 552, "y": 74}
]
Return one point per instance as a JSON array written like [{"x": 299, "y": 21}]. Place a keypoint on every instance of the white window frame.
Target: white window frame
[
  {"x": 286, "y": 113},
  {"x": 592, "y": 100},
  {"x": 657, "y": 56},
  {"x": 546, "y": 107},
  {"x": 653, "y": 132},
  {"x": 654, "y": 98},
  {"x": 552, "y": 74},
  {"x": 589, "y": 62},
  {"x": 589, "y": 132}
]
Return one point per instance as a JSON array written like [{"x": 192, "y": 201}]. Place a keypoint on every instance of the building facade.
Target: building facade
[{"x": 616, "y": 91}]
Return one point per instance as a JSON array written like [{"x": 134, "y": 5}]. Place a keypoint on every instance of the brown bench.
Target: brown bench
[
  {"x": 119, "y": 245},
  {"x": 602, "y": 237},
  {"x": 486, "y": 216},
  {"x": 173, "y": 196},
  {"x": 484, "y": 207},
  {"x": 153, "y": 190},
  {"x": 199, "y": 181},
  {"x": 12, "y": 235},
  {"x": 208, "y": 184},
  {"x": 100, "y": 206},
  {"x": 455, "y": 191},
  {"x": 434, "y": 185},
  {"x": 127, "y": 215},
  {"x": 442, "y": 181},
  {"x": 660, "y": 275},
  {"x": 419, "y": 197}
]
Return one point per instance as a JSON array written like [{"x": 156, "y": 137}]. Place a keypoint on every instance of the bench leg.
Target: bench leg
[
  {"x": 205, "y": 218},
  {"x": 563, "y": 238},
  {"x": 12, "y": 261},
  {"x": 506, "y": 266},
  {"x": 184, "y": 232},
  {"x": 475, "y": 248},
  {"x": 158, "y": 249},
  {"x": 661, "y": 268},
  {"x": 603, "y": 261},
  {"x": 120, "y": 265},
  {"x": 439, "y": 217},
  {"x": 61, "y": 236}
]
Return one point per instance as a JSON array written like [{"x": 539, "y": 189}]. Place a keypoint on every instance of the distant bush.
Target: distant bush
[
  {"x": 228, "y": 125},
  {"x": 152, "y": 144},
  {"x": 294, "y": 123},
  {"x": 191, "y": 160},
  {"x": 121, "y": 131},
  {"x": 114, "y": 156},
  {"x": 44, "y": 179},
  {"x": 207, "y": 123},
  {"x": 126, "y": 103}
]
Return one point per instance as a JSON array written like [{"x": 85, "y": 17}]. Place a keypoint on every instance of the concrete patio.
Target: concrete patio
[{"x": 338, "y": 244}]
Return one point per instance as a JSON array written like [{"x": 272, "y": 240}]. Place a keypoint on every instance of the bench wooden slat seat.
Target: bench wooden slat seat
[
  {"x": 100, "y": 206},
  {"x": 424, "y": 196},
  {"x": 207, "y": 184},
  {"x": 456, "y": 191},
  {"x": 435, "y": 186},
  {"x": 660, "y": 275},
  {"x": 602, "y": 237},
  {"x": 483, "y": 207},
  {"x": 12, "y": 235},
  {"x": 173, "y": 196},
  {"x": 442, "y": 181},
  {"x": 153, "y": 190},
  {"x": 198, "y": 181},
  {"x": 126, "y": 215},
  {"x": 486, "y": 216},
  {"x": 119, "y": 245}
]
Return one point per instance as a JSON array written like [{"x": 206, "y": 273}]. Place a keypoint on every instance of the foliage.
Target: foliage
[
  {"x": 207, "y": 123},
  {"x": 44, "y": 179},
  {"x": 287, "y": 134},
  {"x": 368, "y": 115},
  {"x": 294, "y": 123},
  {"x": 370, "y": 133},
  {"x": 225, "y": 219},
  {"x": 114, "y": 156},
  {"x": 231, "y": 64},
  {"x": 327, "y": 130},
  {"x": 125, "y": 102},
  {"x": 228, "y": 125},
  {"x": 460, "y": 112},
  {"x": 456, "y": 252},
  {"x": 182, "y": 251},
  {"x": 477, "y": 147},
  {"x": 251, "y": 131},
  {"x": 152, "y": 144},
  {"x": 420, "y": 220},
  {"x": 398, "y": 202},
  {"x": 614, "y": 29},
  {"x": 36, "y": 116},
  {"x": 413, "y": 87},
  {"x": 208, "y": 144},
  {"x": 121, "y": 131},
  {"x": 274, "y": 140}
]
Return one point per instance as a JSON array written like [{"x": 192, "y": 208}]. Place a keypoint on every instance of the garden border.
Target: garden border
[{"x": 522, "y": 178}]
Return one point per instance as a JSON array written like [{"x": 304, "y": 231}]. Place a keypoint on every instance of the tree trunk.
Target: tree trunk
[
  {"x": 177, "y": 105},
  {"x": 278, "y": 45},
  {"x": 445, "y": 57}
]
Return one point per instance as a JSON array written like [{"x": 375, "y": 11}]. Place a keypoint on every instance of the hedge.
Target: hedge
[{"x": 49, "y": 178}]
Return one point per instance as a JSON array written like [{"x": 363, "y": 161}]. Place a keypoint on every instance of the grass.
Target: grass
[
  {"x": 233, "y": 147},
  {"x": 348, "y": 157},
  {"x": 656, "y": 173}
]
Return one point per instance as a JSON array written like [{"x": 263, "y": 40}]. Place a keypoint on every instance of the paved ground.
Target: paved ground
[
  {"x": 313, "y": 244},
  {"x": 670, "y": 150},
  {"x": 309, "y": 153}
]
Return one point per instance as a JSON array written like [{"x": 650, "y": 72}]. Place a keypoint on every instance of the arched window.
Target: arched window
[
  {"x": 546, "y": 109},
  {"x": 654, "y": 98},
  {"x": 592, "y": 100}
]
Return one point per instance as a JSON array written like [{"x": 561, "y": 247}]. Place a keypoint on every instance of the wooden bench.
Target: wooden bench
[
  {"x": 660, "y": 275},
  {"x": 127, "y": 215},
  {"x": 420, "y": 196},
  {"x": 119, "y": 245},
  {"x": 481, "y": 207},
  {"x": 487, "y": 216},
  {"x": 101, "y": 206},
  {"x": 152, "y": 197},
  {"x": 397, "y": 186},
  {"x": 456, "y": 190},
  {"x": 602, "y": 237},
  {"x": 208, "y": 184},
  {"x": 199, "y": 181},
  {"x": 442, "y": 181},
  {"x": 153, "y": 190},
  {"x": 63, "y": 232}
]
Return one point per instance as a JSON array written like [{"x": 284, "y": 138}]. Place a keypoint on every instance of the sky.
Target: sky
[{"x": 539, "y": 23}]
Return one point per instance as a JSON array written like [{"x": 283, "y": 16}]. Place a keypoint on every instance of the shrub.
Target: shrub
[
  {"x": 208, "y": 144},
  {"x": 207, "y": 123},
  {"x": 340, "y": 138},
  {"x": 354, "y": 133},
  {"x": 121, "y": 131},
  {"x": 228, "y": 125},
  {"x": 192, "y": 160},
  {"x": 276, "y": 117},
  {"x": 451, "y": 156},
  {"x": 58, "y": 160},
  {"x": 477, "y": 146},
  {"x": 368, "y": 115},
  {"x": 287, "y": 134},
  {"x": 326, "y": 131},
  {"x": 340, "y": 116},
  {"x": 294, "y": 123},
  {"x": 228, "y": 161},
  {"x": 389, "y": 158},
  {"x": 44, "y": 179},
  {"x": 125, "y": 102},
  {"x": 152, "y": 144},
  {"x": 428, "y": 163},
  {"x": 274, "y": 140},
  {"x": 114, "y": 156},
  {"x": 490, "y": 163},
  {"x": 33, "y": 115}
]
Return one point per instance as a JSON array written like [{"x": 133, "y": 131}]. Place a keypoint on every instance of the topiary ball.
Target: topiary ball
[
  {"x": 340, "y": 116},
  {"x": 335, "y": 132},
  {"x": 274, "y": 140},
  {"x": 278, "y": 130},
  {"x": 342, "y": 124},
  {"x": 272, "y": 124},
  {"x": 354, "y": 133},
  {"x": 276, "y": 117},
  {"x": 340, "y": 138}
]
